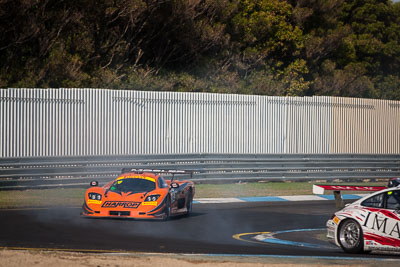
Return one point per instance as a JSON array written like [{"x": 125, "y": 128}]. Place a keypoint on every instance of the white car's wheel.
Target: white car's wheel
[{"x": 351, "y": 236}]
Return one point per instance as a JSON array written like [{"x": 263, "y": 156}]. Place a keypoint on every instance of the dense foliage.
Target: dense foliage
[{"x": 271, "y": 47}]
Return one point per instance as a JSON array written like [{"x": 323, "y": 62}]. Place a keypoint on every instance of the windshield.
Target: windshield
[{"x": 133, "y": 185}]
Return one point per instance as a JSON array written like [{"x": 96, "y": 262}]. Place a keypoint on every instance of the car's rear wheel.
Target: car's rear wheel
[
  {"x": 189, "y": 204},
  {"x": 350, "y": 236}
]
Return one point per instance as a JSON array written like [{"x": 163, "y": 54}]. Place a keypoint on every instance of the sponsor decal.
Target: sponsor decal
[
  {"x": 382, "y": 240},
  {"x": 346, "y": 214},
  {"x": 388, "y": 225},
  {"x": 150, "y": 203},
  {"x": 384, "y": 212},
  {"x": 122, "y": 204},
  {"x": 93, "y": 201}
]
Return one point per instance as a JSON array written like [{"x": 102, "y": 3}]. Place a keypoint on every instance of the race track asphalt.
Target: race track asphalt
[{"x": 209, "y": 230}]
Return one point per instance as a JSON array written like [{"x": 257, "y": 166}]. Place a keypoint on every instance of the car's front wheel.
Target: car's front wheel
[{"x": 350, "y": 236}]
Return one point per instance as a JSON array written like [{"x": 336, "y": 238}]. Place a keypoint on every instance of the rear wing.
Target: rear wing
[
  {"x": 319, "y": 189},
  {"x": 173, "y": 172}
]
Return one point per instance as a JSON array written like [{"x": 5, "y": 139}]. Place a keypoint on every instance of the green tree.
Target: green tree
[{"x": 266, "y": 37}]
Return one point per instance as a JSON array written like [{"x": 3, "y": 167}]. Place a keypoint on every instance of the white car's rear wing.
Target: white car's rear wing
[{"x": 319, "y": 189}]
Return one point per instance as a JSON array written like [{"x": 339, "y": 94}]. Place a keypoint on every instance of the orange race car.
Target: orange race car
[{"x": 140, "y": 194}]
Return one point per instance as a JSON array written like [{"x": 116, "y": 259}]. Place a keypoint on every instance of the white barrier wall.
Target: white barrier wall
[{"x": 76, "y": 122}]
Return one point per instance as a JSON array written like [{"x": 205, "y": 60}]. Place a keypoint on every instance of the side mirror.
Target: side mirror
[
  {"x": 94, "y": 183},
  {"x": 174, "y": 185}
]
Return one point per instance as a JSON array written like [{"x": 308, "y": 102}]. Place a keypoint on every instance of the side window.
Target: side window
[
  {"x": 374, "y": 202},
  {"x": 393, "y": 200},
  {"x": 162, "y": 183}
]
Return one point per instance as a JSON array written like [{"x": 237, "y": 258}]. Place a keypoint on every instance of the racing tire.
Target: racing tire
[
  {"x": 189, "y": 204},
  {"x": 167, "y": 209},
  {"x": 350, "y": 236}
]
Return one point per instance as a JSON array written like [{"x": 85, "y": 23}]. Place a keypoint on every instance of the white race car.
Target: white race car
[{"x": 370, "y": 223}]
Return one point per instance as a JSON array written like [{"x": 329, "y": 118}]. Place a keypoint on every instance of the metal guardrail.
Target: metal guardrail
[{"x": 47, "y": 172}]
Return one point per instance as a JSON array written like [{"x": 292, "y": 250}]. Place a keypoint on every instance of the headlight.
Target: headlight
[
  {"x": 94, "y": 196},
  {"x": 151, "y": 198}
]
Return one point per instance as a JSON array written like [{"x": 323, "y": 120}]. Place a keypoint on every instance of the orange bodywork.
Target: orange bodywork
[{"x": 139, "y": 196}]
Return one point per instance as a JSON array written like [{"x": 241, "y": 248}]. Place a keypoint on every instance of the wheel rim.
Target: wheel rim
[{"x": 350, "y": 235}]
